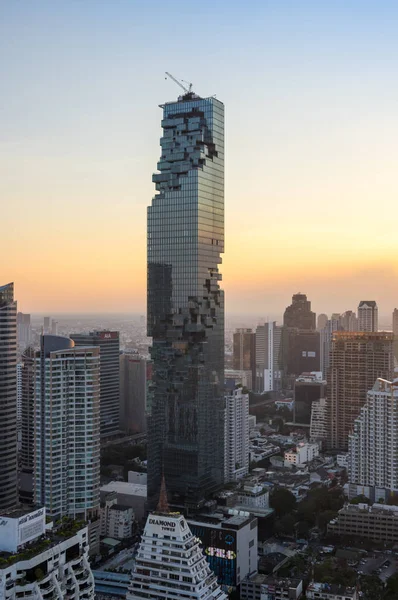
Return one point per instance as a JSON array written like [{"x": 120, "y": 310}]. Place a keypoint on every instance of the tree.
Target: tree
[
  {"x": 282, "y": 501},
  {"x": 361, "y": 499},
  {"x": 285, "y": 525},
  {"x": 392, "y": 587},
  {"x": 372, "y": 587}
]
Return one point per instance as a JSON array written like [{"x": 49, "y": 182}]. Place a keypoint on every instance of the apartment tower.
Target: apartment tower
[
  {"x": 186, "y": 303},
  {"x": 368, "y": 316}
]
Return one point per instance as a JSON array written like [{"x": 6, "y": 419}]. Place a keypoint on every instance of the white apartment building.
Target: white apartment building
[
  {"x": 318, "y": 426},
  {"x": 268, "y": 342},
  {"x": 254, "y": 495},
  {"x": 170, "y": 561},
  {"x": 368, "y": 319},
  {"x": 116, "y": 519},
  {"x": 34, "y": 568},
  {"x": 67, "y": 429},
  {"x": 373, "y": 445},
  {"x": 236, "y": 435},
  {"x": 303, "y": 454}
]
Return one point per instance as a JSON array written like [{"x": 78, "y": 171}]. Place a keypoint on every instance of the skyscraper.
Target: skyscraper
[
  {"x": 395, "y": 331},
  {"x": 24, "y": 329},
  {"x": 373, "y": 444},
  {"x": 186, "y": 304},
  {"x": 299, "y": 313},
  {"x": 368, "y": 316},
  {"x": 67, "y": 428},
  {"x": 109, "y": 345},
  {"x": 8, "y": 397},
  {"x": 268, "y": 342},
  {"x": 357, "y": 359},
  {"x": 244, "y": 352},
  {"x": 133, "y": 392},
  {"x": 27, "y": 453},
  {"x": 236, "y": 435},
  {"x": 321, "y": 321}
]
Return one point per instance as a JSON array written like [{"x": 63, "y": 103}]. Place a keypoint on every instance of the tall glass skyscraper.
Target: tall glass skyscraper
[
  {"x": 186, "y": 304},
  {"x": 8, "y": 397}
]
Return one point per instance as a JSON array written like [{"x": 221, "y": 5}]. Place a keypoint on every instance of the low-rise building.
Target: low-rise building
[
  {"x": 263, "y": 587},
  {"x": 329, "y": 591},
  {"x": 254, "y": 495},
  {"x": 116, "y": 519},
  {"x": 378, "y": 522},
  {"x": 285, "y": 403},
  {"x": 303, "y": 454},
  {"x": 127, "y": 494},
  {"x": 38, "y": 563}
]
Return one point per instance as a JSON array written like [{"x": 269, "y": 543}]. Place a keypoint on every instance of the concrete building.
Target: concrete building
[
  {"x": 244, "y": 352},
  {"x": 268, "y": 370},
  {"x": 116, "y": 519},
  {"x": 300, "y": 353},
  {"x": 27, "y": 449},
  {"x": 55, "y": 567},
  {"x": 357, "y": 360},
  {"x": 229, "y": 544},
  {"x": 265, "y": 587},
  {"x": 170, "y": 561},
  {"x": 299, "y": 315},
  {"x": 109, "y": 346},
  {"x": 348, "y": 321},
  {"x": 236, "y": 435},
  {"x": 66, "y": 425},
  {"x": 378, "y": 522},
  {"x": 254, "y": 495},
  {"x": 303, "y": 454},
  {"x": 8, "y": 397},
  {"x": 321, "y": 321},
  {"x": 395, "y": 332},
  {"x": 137, "y": 477},
  {"x": 24, "y": 330},
  {"x": 368, "y": 316},
  {"x": 232, "y": 378},
  {"x": 308, "y": 387},
  {"x": 329, "y": 591},
  {"x": 319, "y": 422},
  {"x": 373, "y": 445},
  {"x": 127, "y": 494},
  {"x": 133, "y": 392}
]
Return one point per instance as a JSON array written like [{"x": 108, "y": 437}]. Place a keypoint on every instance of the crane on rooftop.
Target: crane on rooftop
[{"x": 178, "y": 82}]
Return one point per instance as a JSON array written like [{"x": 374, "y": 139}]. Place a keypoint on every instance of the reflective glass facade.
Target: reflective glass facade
[{"x": 186, "y": 304}]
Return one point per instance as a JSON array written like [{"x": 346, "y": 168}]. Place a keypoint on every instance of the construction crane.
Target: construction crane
[{"x": 178, "y": 82}]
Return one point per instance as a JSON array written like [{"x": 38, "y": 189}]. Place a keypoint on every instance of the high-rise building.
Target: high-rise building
[
  {"x": 67, "y": 428},
  {"x": 244, "y": 353},
  {"x": 8, "y": 397},
  {"x": 299, "y": 313},
  {"x": 349, "y": 321},
  {"x": 300, "y": 352},
  {"x": 133, "y": 392},
  {"x": 308, "y": 388},
  {"x": 268, "y": 345},
  {"x": 368, "y": 316},
  {"x": 46, "y": 324},
  {"x": 170, "y": 561},
  {"x": 357, "y": 359},
  {"x": 236, "y": 435},
  {"x": 108, "y": 343},
  {"x": 373, "y": 445},
  {"x": 24, "y": 329},
  {"x": 321, "y": 321},
  {"x": 54, "y": 327},
  {"x": 395, "y": 331},
  {"x": 186, "y": 303},
  {"x": 318, "y": 426},
  {"x": 26, "y": 455}
]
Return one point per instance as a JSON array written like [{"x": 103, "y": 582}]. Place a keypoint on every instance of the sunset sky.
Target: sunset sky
[{"x": 311, "y": 96}]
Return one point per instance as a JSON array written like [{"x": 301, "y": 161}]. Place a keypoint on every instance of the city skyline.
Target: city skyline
[{"x": 320, "y": 125}]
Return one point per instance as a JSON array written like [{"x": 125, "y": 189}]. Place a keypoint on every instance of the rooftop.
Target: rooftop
[
  {"x": 331, "y": 588},
  {"x": 124, "y": 487},
  {"x": 262, "y": 579}
]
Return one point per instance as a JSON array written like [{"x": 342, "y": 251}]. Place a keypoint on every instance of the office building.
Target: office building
[
  {"x": 300, "y": 353},
  {"x": 378, "y": 522},
  {"x": 244, "y": 352},
  {"x": 348, "y": 321},
  {"x": 308, "y": 387},
  {"x": 170, "y": 561},
  {"x": 24, "y": 330},
  {"x": 54, "y": 327},
  {"x": 373, "y": 445},
  {"x": 268, "y": 587},
  {"x": 133, "y": 392},
  {"x": 8, "y": 397},
  {"x": 186, "y": 304},
  {"x": 326, "y": 335},
  {"x": 27, "y": 448},
  {"x": 253, "y": 496},
  {"x": 299, "y": 314},
  {"x": 357, "y": 359},
  {"x": 321, "y": 321},
  {"x": 395, "y": 332},
  {"x": 236, "y": 435},
  {"x": 319, "y": 423},
  {"x": 267, "y": 353},
  {"x": 109, "y": 346},
  {"x": 330, "y": 591},
  {"x": 368, "y": 316},
  {"x": 42, "y": 564},
  {"x": 229, "y": 543},
  {"x": 66, "y": 425},
  {"x": 46, "y": 325}
]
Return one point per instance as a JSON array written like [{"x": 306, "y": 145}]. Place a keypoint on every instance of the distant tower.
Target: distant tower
[
  {"x": 368, "y": 316},
  {"x": 133, "y": 392},
  {"x": 27, "y": 453},
  {"x": 299, "y": 313},
  {"x": 8, "y": 397},
  {"x": 46, "y": 325},
  {"x": 321, "y": 321},
  {"x": 395, "y": 331},
  {"x": 357, "y": 359},
  {"x": 268, "y": 343},
  {"x": 244, "y": 352}
]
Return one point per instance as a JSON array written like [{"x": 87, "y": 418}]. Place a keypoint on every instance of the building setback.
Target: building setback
[
  {"x": 186, "y": 304},
  {"x": 8, "y": 397},
  {"x": 109, "y": 345},
  {"x": 357, "y": 359}
]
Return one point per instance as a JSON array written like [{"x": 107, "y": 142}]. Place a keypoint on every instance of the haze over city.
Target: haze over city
[{"x": 311, "y": 141}]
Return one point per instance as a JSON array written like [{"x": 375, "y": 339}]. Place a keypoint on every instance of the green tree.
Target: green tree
[
  {"x": 360, "y": 500},
  {"x": 372, "y": 587},
  {"x": 285, "y": 525},
  {"x": 392, "y": 587},
  {"x": 282, "y": 501}
]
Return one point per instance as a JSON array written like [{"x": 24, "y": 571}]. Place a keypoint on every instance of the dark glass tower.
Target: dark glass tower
[
  {"x": 8, "y": 397},
  {"x": 186, "y": 304}
]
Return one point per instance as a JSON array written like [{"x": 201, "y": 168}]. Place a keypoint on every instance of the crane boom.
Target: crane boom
[{"x": 186, "y": 90}]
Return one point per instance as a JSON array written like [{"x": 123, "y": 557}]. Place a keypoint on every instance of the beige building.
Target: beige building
[{"x": 378, "y": 522}]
